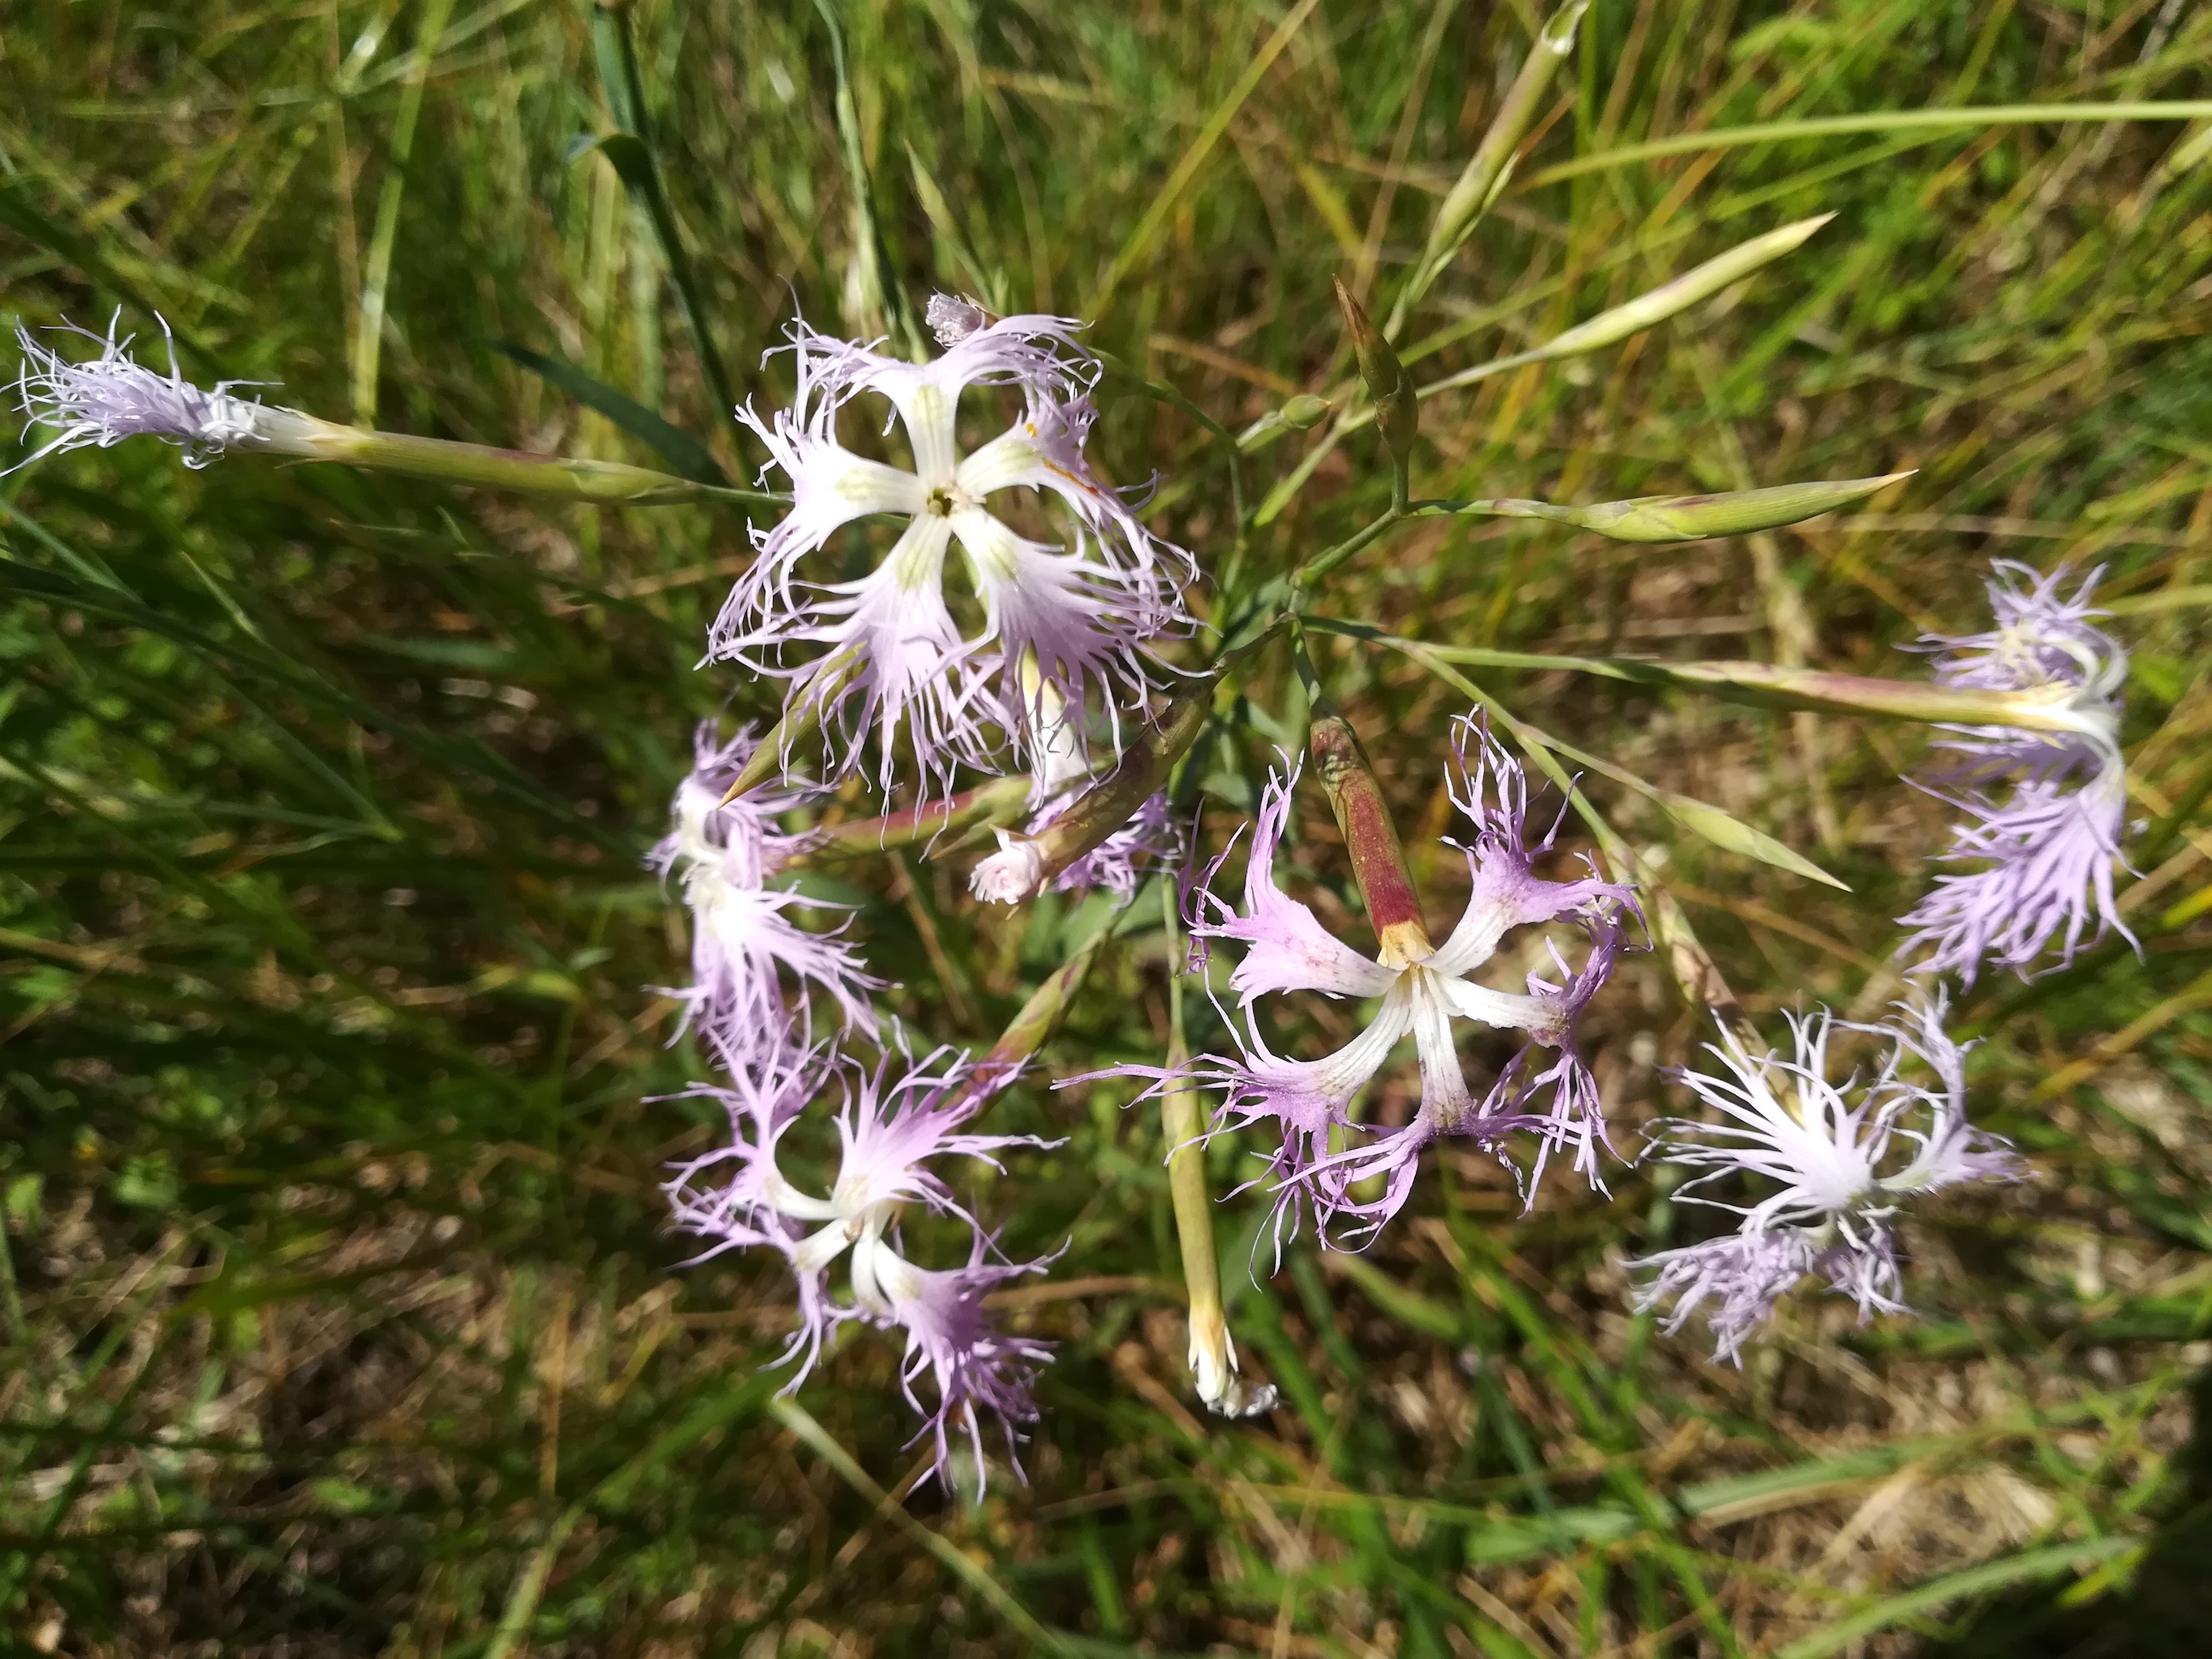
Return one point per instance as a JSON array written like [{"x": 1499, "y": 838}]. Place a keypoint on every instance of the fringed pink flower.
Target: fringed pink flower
[
  {"x": 2045, "y": 811},
  {"x": 1546, "y": 1090},
  {"x": 892, "y": 658},
  {"x": 959, "y": 1365},
  {"x": 744, "y": 937},
  {"x": 1835, "y": 1159}
]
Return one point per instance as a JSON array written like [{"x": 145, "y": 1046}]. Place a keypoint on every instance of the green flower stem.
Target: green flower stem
[
  {"x": 289, "y": 432},
  {"x": 1039, "y": 1019},
  {"x": 1000, "y": 801},
  {"x": 804, "y": 712},
  {"x": 1491, "y": 164},
  {"x": 1765, "y": 685}
]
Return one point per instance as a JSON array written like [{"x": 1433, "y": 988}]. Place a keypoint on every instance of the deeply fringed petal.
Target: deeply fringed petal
[
  {"x": 1286, "y": 948},
  {"x": 2050, "y": 853},
  {"x": 1492, "y": 788},
  {"x": 1828, "y": 1151},
  {"x": 971, "y": 1365},
  {"x": 2044, "y": 811},
  {"x": 100, "y": 401},
  {"x": 1063, "y": 615},
  {"x": 1737, "y": 1278},
  {"x": 744, "y": 937}
]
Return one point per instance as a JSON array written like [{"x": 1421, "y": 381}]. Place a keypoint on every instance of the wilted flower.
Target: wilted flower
[
  {"x": 888, "y": 1132},
  {"x": 742, "y": 929},
  {"x": 1840, "y": 1158},
  {"x": 2048, "y": 843},
  {"x": 101, "y": 401},
  {"x": 1423, "y": 989},
  {"x": 1058, "y": 779},
  {"x": 894, "y": 657}
]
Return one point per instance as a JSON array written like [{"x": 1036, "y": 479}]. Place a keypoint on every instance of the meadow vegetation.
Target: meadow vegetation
[{"x": 339, "y": 1313}]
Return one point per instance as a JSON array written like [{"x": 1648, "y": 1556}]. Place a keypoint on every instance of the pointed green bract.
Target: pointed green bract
[
  {"x": 1687, "y": 517},
  {"x": 1491, "y": 164}
]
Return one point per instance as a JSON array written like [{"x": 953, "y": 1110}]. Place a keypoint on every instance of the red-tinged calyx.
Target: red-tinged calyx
[{"x": 1378, "y": 857}]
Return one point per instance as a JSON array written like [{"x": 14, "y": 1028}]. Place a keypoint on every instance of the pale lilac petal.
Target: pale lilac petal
[
  {"x": 745, "y": 938},
  {"x": 2048, "y": 856},
  {"x": 890, "y": 1129},
  {"x": 734, "y": 1197},
  {"x": 2042, "y": 636},
  {"x": 1286, "y": 948},
  {"x": 1045, "y": 450},
  {"x": 1737, "y": 1279},
  {"x": 1013, "y": 875},
  {"x": 1492, "y": 788},
  {"x": 911, "y": 672},
  {"x": 969, "y": 1364},
  {"x": 1951, "y": 1150},
  {"x": 2044, "y": 812},
  {"x": 1059, "y": 613}
]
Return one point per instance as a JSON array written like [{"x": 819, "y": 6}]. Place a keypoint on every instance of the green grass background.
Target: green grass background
[{"x": 339, "y": 1314}]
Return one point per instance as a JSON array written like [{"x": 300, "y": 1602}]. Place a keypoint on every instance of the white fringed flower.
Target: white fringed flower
[
  {"x": 893, "y": 658},
  {"x": 1839, "y": 1159}
]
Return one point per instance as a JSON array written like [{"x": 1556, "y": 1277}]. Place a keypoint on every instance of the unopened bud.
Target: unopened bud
[
  {"x": 1397, "y": 412},
  {"x": 1378, "y": 857},
  {"x": 1303, "y": 412}
]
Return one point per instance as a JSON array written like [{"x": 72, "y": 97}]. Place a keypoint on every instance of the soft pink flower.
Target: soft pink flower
[
  {"x": 890, "y": 1130},
  {"x": 1286, "y": 949},
  {"x": 743, "y": 938}
]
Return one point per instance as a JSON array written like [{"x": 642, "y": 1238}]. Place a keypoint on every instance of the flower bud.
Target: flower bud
[
  {"x": 1397, "y": 412},
  {"x": 1378, "y": 857},
  {"x": 1303, "y": 412}
]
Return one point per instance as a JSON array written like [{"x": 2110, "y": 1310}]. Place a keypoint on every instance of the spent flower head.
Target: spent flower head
[
  {"x": 1060, "y": 776},
  {"x": 98, "y": 402}
]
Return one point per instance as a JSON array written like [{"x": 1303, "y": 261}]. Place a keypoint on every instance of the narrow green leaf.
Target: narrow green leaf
[
  {"x": 1952, "y": 1586},
  {"x": 685, "y": 454}
]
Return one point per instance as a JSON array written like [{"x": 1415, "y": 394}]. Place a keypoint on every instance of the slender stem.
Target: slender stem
[
  {"x": 289, "y": 432},
  {"x": 955, "y": 1561},
  {"x": 804, "y": 711},
  {"x": 1303, "y": 579},
  {"x": 1895, "y": 120},
  {"x": 1212, "y": 1354},
  {"x": 997, "y": 802}
]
